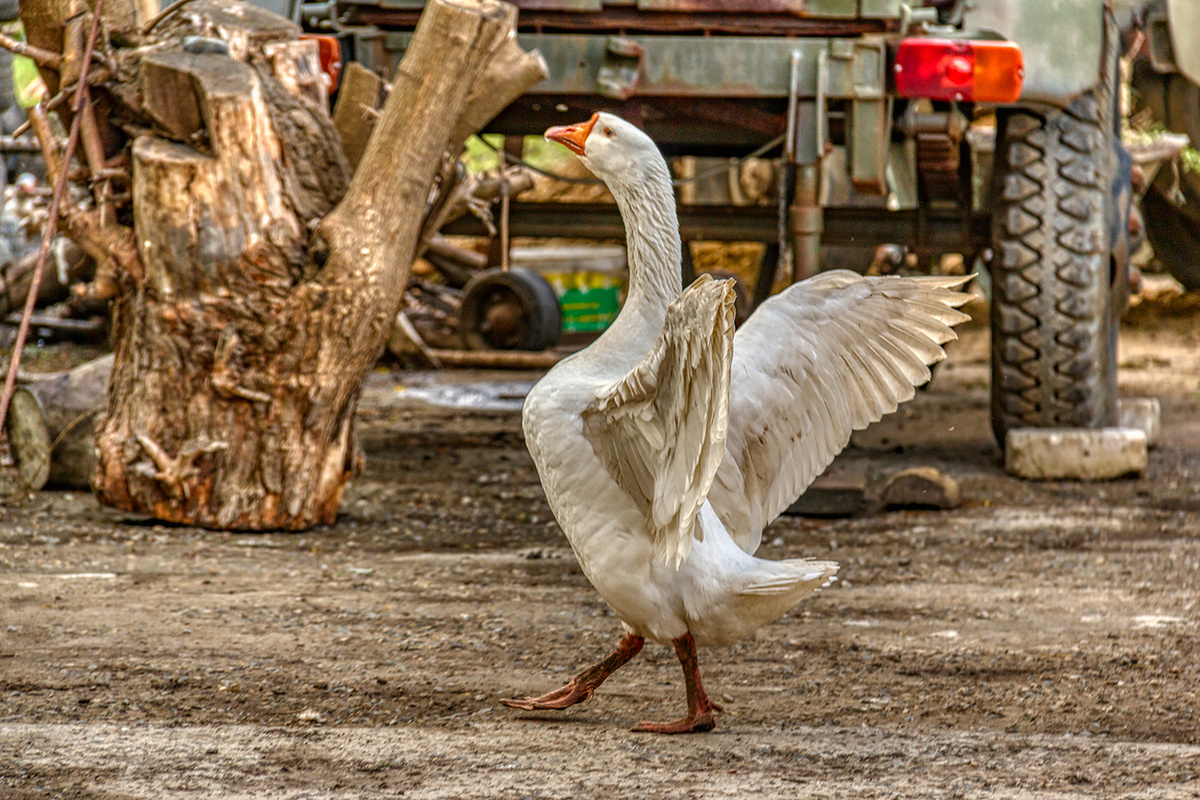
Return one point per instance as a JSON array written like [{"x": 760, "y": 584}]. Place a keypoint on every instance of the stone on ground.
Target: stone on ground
[
  {"x": 1075, "y": 453},
  {"x": 921, "y": 487}
]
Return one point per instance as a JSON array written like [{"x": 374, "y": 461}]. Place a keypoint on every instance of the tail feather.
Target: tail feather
[{"x": 792, "y": 577}]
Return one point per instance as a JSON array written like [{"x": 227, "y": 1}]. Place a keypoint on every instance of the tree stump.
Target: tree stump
[{"x": 259, "y": 284}]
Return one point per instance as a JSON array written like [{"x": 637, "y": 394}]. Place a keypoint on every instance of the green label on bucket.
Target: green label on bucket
[{"x": 589, "y": 300}]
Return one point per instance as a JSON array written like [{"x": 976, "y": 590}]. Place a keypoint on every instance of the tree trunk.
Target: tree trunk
[{"x": 241, "y": 339}]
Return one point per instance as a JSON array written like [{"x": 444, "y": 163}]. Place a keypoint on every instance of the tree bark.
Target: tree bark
[{"x": 241, "y": 339}]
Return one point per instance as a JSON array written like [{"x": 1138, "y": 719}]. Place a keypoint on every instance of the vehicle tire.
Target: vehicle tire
[
  {"x": 513, "y": 310},
  {"x": 1174, "y": 230},
  {"x": 1054, "y": 323}
]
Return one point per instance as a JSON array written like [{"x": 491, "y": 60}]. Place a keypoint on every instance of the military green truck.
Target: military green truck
[{"x": 989, "y": 128}]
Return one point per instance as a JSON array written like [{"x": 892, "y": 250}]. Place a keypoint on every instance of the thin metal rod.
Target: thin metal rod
[
  {"x": 505, "y": 203},
  {"x": 48, "y": 232}
]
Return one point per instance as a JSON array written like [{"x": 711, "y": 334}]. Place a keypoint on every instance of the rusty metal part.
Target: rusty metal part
[
  {"x": 699, "y": 126},
  {"x": 942, "y": 227},
  {"x": 622, "y": 68},
  {"x": 953, "y": 123},
  {"x": 703, "y": 66},
  {"x": 503, "y": 320},
  {"x": 806, "y": 222},
  {"x": 737, "y": 21},
  {"x": 728, "y": 113},
  {"x": 939, "y": 168}
]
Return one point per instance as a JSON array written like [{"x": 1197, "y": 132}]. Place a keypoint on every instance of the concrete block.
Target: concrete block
[
  {"x": 920, "y": 487},
  {"x": 1075, "y": 453},
  {"x": 1143, "y": 413}
]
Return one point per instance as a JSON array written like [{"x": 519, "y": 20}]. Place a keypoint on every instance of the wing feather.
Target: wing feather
[
  {"x": 825, "y": 357},
  {"x": 661, "y": 428}
]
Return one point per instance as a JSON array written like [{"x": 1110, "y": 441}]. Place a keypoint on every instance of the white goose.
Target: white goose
[{"x": 667, "y": 445}]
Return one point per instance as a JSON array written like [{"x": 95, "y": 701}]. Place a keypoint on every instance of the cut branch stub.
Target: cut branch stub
[
  {"x": 51, "y": 426},
  {"x": 354, "y": 115},
  {"x": 168, "y": 96},
  {"x": 511, "y": 73},
  {"x": 198, "y": 216}
]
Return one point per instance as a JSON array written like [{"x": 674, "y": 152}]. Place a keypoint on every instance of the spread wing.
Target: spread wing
[
  {"x": 661, "y": 429},
  {"x": 825, "y": 357}
]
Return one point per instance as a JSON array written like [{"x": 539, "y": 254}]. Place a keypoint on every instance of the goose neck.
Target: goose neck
[{"x": 652, "y": 242}]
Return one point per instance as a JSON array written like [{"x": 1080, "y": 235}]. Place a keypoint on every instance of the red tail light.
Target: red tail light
[
  {"x": 959, "y": 69},
  {"x": 329, "y": 51}
]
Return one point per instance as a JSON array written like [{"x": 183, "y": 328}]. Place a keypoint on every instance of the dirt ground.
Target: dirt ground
[{"x": 1040, "y": 641}]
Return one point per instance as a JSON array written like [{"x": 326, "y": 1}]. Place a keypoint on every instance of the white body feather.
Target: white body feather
[{"x": 667, "y": 445}]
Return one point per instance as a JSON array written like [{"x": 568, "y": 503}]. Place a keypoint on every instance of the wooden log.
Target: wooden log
[
  {"x": 145, "y": 10},
  {"x": 207, "y": 395},
  {"x": 51, "y": 426},
  {"x": 80, "y": 329},
  {"x": 498, "y": 359},
  {"x": 468, "y": 259},
  {"x": 296, "y": 65},
  {"x": 67, "y": 265},
  {"x": 455, "y": 264},
  {"x": 167, "y": 93}
]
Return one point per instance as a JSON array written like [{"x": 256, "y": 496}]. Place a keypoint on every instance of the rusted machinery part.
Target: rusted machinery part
[
  {"x": 939, "y": 168},
  {"x": 756, "y": 18},
  {"x": 509, "y": 310}
]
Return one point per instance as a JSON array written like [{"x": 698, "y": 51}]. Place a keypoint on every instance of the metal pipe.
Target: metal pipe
[{"x": 806, "y": 222}]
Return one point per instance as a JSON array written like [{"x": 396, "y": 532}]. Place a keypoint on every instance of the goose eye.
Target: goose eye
[{"x": 608, "y": 132}]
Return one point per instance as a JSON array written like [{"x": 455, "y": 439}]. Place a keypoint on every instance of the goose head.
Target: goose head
[
  {"x": 616, "y": 151},
  {"x": 628, "y": 161}
]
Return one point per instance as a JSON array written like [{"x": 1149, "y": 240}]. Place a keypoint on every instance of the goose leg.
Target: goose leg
[
  {"x": 585, "y": 684},
  {"x": 700, "y": 708}
]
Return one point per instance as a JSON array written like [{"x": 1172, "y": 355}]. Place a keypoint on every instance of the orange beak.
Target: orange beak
[{"x": 573, "y": 136}]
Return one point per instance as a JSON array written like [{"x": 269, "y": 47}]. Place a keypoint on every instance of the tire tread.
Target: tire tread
[{"x": 1051, "y": 275}]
